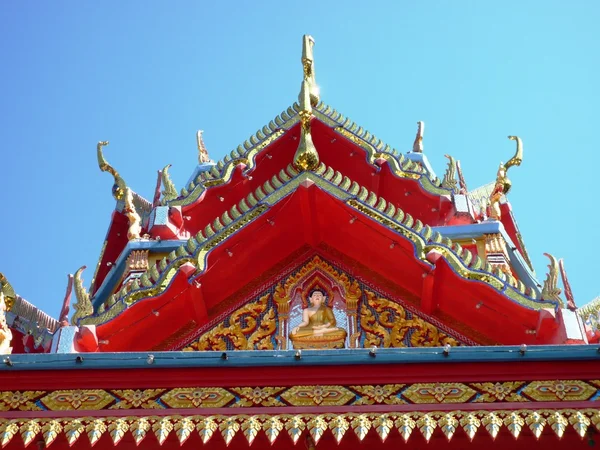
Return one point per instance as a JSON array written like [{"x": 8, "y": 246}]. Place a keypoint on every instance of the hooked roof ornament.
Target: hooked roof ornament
[
  {"x": 307, "y": 157},
  {"x": 8, "y": 291},
  {"x": 503, "y": 184},
  {"x": 203, "y": 157},
  {"x": 135, "y": 222},
  {"x": 449, "y": 181},
  {"x": 418, "y": 144},
  {"x": 83, "y": 306},
  {"x": 5, "y": 333},
  {"x": 568, "y": 292},
  {"x": 169, "y": 192},
  {"x": 119, "y": 186},
  {"x": 551, "y": 291}
]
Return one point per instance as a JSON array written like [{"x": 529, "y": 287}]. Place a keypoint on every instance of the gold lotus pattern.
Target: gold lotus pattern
[
  {"x": 310, "y": 395},
  {"x": 317, "y": 426}
]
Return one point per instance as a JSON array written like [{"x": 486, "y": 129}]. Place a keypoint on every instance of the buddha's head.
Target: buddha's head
[{"x": 317, "y": 297}]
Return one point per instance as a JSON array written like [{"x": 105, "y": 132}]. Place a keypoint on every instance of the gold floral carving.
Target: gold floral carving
[
  {"x": 439, "y": 393},
  {"x": 561, "y": 390},
  {"x": 407, "y": 424},
  {"x": 244, "y": 331},
  {"x": 330, "y": 395},
  {"x": 19, "y": 400},
  {"x": 138, "y": 398},
  {"x": 65, "y": 400},
  {"x": 197, "y": 397},
  {"x": 499, "y": 392},
  {"x": 258, "y": 396},
  {"x": 386, "y": 324},
  {"x": 387, "y": 394},
  {"x": 317, "y": 395}
]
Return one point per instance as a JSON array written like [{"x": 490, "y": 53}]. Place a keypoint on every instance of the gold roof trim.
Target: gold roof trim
[
  {"x": 245, "y": 153},
  {"x": 155, "y": 280},
  {"x": 313, "y": 426}
]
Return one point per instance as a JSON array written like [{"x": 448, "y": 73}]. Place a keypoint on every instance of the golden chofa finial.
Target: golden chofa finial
[
  {"x": 418, "y": 144},
  {"x": 202, "y": 152},
  {"x": 119, "y": 186},
  {"x": 7, "y": 290},
  {"x": 308, "y": 63},
  {"x": 503, "y": 184},
  {"x": 306, "y": 157}
]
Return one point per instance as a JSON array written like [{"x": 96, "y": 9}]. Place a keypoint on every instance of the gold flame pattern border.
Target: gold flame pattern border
[{"x": 313, "y": 426}]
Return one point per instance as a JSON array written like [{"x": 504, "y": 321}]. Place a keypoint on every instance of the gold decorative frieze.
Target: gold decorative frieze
[
  {"x": 304, "y": 395},
  {"x": 313, "y": 426}
]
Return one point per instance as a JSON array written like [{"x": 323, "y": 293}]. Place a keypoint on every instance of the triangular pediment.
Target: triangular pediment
[{"x": 365, "y": 315}]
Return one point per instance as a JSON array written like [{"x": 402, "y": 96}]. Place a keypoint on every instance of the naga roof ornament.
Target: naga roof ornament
[
  {"x": 418, "y": 144},
  {"x": 551, "y": 291},
  {"x": 8, "y": 291},
  {"x": 83, "y": 306},
  {"x": 203, "y": 157},
  {"x": 503, "y": 184},
  {"x": 135, "y": 222},
  {"x": 119, "y": 186},
  {"x": 169, "y": 192},
  {"x": 307, "y": 157},
  {"x": 449, "y": 181},
  {"x": 568, "y": 292}
]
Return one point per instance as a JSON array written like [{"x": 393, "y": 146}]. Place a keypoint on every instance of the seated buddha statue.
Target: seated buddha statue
[{"x": 318, "y": 327}]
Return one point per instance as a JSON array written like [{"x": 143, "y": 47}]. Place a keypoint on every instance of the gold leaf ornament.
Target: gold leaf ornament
[
  {"x": 50, "y": 431},
  {"x": 162, "y": 427},
  {"x": 383, "y": 425},
  {"x": 405, "y": 425},
  {"x": 117, "y": 429},
  {"x": 272, "y": 426},
  {"x": 206, "y": 427},
  {"x": 95, "y": 429},
  {"x": 73, "y": 429},
  {"x": 29, "y": 430},
  {"x": 338, "y": 424},
  {"x": 250, "y": 427},
  {"x": 448, "y": 424},
  {"x": 184, "y": 426},
  {"x": 361, "y": 425},
  {"x": 229, "y": 427},
  {"x": 295, "y": 425}
]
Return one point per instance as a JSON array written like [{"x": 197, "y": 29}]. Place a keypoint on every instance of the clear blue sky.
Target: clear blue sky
[{"x": 146, "y": 75}]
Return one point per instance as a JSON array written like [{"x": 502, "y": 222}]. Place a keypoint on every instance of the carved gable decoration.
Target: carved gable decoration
[{"x": 320, "y": 306}]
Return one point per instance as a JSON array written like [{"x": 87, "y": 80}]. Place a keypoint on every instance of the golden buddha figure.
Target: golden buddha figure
[{"x": 318, "y": 327}]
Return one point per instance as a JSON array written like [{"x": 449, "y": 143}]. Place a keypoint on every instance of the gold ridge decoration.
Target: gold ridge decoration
[
  {"x": 357, "y": 197},
  {"x": 418, "y": 144},
  {"x": 5, "y": 333},
  {"x": 387, "y": 324},
  {"x": 307, "y": 157},
  {"x": 83, "y": 305},
  {"x": 503, "y": 184},
  {"x": 170, "y": 191},
  {"x": 119, "y": 184},
  {"x": 221, "y": 174},
  {"x": 339, "y": 425},
  {"x": 249, "y": 328},
  {"x": 135, "y": 221},
  {"x": 449, "y": 182},
  {"x": 8, "y": 291},
  {"x": 550, "y": 290}
]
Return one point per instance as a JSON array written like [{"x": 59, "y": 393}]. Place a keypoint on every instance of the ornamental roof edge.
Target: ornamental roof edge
[{"x": 424, "y": 240}]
